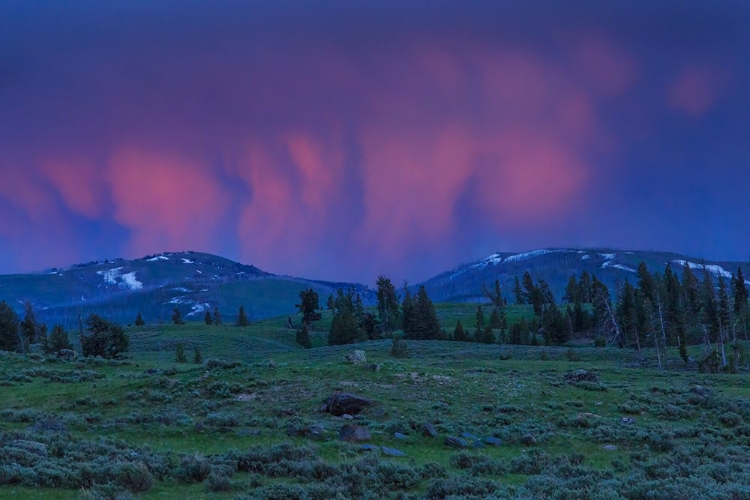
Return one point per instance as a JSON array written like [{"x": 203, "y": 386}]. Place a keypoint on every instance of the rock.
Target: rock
[
  {"x": 627, "y": 421},
  {"x": 581, "y": 376},
  {"x": 456, "y": 442},
  {"x": 374, "y": 367},
  {"x": 528, "y": 440},
  {"x": 392, "y": 452},
  {"x": 357, "y": 357},
  {"x": 67, "y": 354},
  {"x": 30, "y": 446},
  {"x": 478, "y": 444},
  {"x": 400, "y": 436},
  {"x": 354, "y": 433},
  {"x": 315, "y": 432},
  {"x": 493, "y": 441},
  {"x": 345, "y": 403},
  {"x": 609, "y": 447},
  {"x": 428, "y": 430},
  {"x": 369, "y": 447},
  {"x": 469, "y": 436},
  {"x": 346, "y": 416}
]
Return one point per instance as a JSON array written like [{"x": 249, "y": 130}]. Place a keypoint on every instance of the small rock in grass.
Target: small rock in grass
[
  {"x": 369, "y": 447},
  {"x": 354, "y": 433},
  {"x": 610, "y": 447},
  {"x": 357, "y": 357},
  {"x": 428, "y": 430},
  {"x": 478, "y": 444},
  {"x": 400, "y": 436},
  {"x": 392, "y": 452},
  {"x": 493, "y": 441},
  {"x": 345, "y": 403},
  {"x": 528, "y": 440},
  {"x": 456, "y": 442},
  {"x": 627, "y": 421},
  {"x": 469, "y": 435}
]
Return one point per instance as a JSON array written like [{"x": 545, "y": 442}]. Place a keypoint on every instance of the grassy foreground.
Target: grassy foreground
[{"x": 247, "y": 422}]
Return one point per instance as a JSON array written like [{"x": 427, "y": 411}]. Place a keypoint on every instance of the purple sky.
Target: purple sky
[{"x": 341, "y": 140}]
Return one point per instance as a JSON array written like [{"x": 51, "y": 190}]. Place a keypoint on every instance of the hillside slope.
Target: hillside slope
[
  {"x": 555, "y": 265},
  {"x": 191, "y": 281}
]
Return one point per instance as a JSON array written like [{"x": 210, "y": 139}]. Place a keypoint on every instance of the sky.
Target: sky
[{"x": 341, "y": 140}]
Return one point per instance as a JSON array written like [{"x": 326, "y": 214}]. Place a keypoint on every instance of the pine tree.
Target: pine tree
[
  {"x": 572, "y": 290},
  {"x": 586, "y": 291},
  {"x": 177, "y": 317},
  {"x": 207, "y": 318},
  {"x": 479, "y": 325},
  {"x": 28, "y": 325},
  {"x": 303, "y": 337},
  {"x": 518, "y": 292},
  {"x": 242, "y": 320},
  {"x": 139, "y": 320},
  {"x": 407, "y": 312},
  {"x": 179, "y": 355},
  {"x": 425, "y": 325},
  {"x": 459, "y": 334},
  {"x": 197, "y": 356},
  {"x": 387, "y": 304},
  {"x": 103, "y": 338},
  {"x": 345, "y": 329},
  {"x": 529, "y": 289},
  {"x": 217, "y": 317},
  {"x": 308, "y": 306},
  {"x": 58, "y": 341},
  {"x": 740, "y": 297},
  {"x": 330, "y": 304}
]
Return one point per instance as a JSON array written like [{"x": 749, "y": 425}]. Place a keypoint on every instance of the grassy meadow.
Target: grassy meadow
[{"x": 246, "y": 423}]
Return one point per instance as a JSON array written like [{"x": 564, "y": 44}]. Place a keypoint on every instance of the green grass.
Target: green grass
[{"x": 152, "y": 403}]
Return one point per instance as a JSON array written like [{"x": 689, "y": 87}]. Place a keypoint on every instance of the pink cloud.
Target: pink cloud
[
  {"x": 78, "y": 182},
  {"x": 608, "y": 66},
  {"x": 167, "y": 201},
  {"x": 696, "y": 89}
]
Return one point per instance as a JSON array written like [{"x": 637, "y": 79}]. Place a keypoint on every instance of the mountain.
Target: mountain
[
  {"x": 555, "y": 265},
  {"x": 153, "y": 285}
]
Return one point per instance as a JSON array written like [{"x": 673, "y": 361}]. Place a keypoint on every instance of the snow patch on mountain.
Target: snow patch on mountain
[
  {"x": 198, "y": 308},
  {"x": 711, "y": 268},
  {"x": 585, "y": 257},
  {"x": 129, "y": 280},
  {"x": 158, "y": 257},
  {"x": 618, "y": 266},
  {"x": 110, "y": 276},
  {"x": 181, "y": 289},
  {"x": 180, "y": 300},
  {"x": 187, "y": 261},
  {"x": 608, "y": 256},
  {"x": 529, "y": 255}
]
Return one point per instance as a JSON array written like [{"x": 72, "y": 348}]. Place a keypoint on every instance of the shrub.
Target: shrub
[
  {"x": 193, "y": 469},
  {"x": 216, "y": 483},
  {"x": 135, "y": 477},
  {"x": 399, "y": 349},
  {"x": 730, "y": 419}
]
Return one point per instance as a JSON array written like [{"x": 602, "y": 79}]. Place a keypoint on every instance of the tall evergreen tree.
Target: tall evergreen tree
[
  {"x": 407, "y": 311},
  {"x": 139, "y": 320},
  {"x": 58, "y": 341},
  {"x": 29, "y": 325},
  {"x": 345, "y": 328},
  {"x": 10, "y": 337},
  {"x": 303, "y": 337},
  {"x": 330, "y": 304},
  {"x": 177, "y": 317},
  {"x": 216, "y": 317},
  {"x": 459, "y": 334},
  {"x": 179, "y": 355},
  {"x": 242, "y": 320},
  {"x": 387, "y": 304},
  {"x": 309, "y": 306},
  {"x": 518, "y": 292},
  {"x": 572, "y": 291},
  {"x": 740, "y": 299},
  {"x": 425, "y": 325},
  {"x": 586, "y": 291},
  {"x": 208, "y": 319},
  {"x": 529, "y": 289},
  {"x": 103, "y": 338}
]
